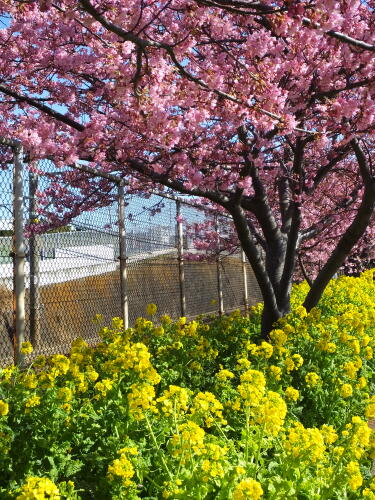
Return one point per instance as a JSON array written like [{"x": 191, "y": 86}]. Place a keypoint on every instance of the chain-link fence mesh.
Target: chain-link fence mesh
[
  {"x": 73, "y": 272},
  {"x": 200, "y": 268},
  {"x": 6, "y": 267},
  {"x": 151, "y": 248}
]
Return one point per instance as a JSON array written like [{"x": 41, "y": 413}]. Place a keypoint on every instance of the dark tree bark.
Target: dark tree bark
[{"x": 351, "y": 236}]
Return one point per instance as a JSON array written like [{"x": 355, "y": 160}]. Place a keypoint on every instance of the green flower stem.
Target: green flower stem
[
  {"x": 175, "y": 419},
  {"x": 158, "y": 449},
  {"x": 261, "y": 434},
  {"x": 153, "y": 482},
  {"x": 221, "y": 431},
  {"x": 247, "y": 434}
]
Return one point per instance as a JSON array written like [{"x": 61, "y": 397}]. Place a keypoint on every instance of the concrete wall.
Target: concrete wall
[{"x": 67, "y": 308}]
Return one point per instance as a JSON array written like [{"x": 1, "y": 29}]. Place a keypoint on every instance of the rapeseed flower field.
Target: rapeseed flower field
[{"x": 201, "y": 409}]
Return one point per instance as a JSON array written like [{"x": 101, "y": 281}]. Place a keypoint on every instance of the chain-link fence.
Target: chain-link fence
[
  {"x": 6, "y": 247},
  {"x": 97, "y": 264}
]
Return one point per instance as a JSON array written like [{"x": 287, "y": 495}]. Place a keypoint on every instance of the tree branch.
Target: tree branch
[
  {"x": 351, "y": 236},
  {"x": 114, "y": 28},
  {"x": 250, "y": 247},
  {"x": 362, "y": 162},
  {"x": 294, "y": 226},
  {"x": 325, "y": 169},
  {"x": 316, "y": 228},
  {"x": 259, "y": 203},
  {"x": 163, "y": 179},
  {"x": 303, "y": 269},
  {"x": 42, "y": 107},
  {"x": 142, "y": 43},
  {"x": 261, "y": 9},
  {"x": 334, "y": 92},
  {"x": 284, "y": 201},
  {"x": 341, "y": 36}
]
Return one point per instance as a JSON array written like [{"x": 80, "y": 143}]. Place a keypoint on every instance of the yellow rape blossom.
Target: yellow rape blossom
[
  {"x": 65, "y": 394},
  {"x": 39, "y": 488},
  {"x": 212, "y": 465},
  {"x": 26, "y": 348},
  {"x": 271, "y": 413},
  {"x": 195, "y": 366},
  {"x": 46, "y": 380},
  {"x": 278, "y": 337},
  {"x": 158, "y": 331},
  {"x": 190, "y": 439},
  {"x": 103, "y": 387},
  {"x": 91, "y": 373},
  {"x": 166, "y": 319},
  {"x": 248, "y": 489},
  {"x": 350, "y": 369},
  {"x": 297, "y": 360},
  {"x": 368, "y": 494},
  {"x": 252, "y": 386},
  {"x": 243, "y": 364},
  {"x": 365, "y": 340},
  {"x": 306, "y": 444},
  {"x": 289, "y": 364},
  {"x": 362, "y": 383},
  {"x": 141, "y": 398},
  {"x": 368, "y": 353},
  {"x": 6, "y": 373},
  {"x": 60, "y": 364},
  {"x": 172, "y": 488},
  {"x": 312, "y": 379},
  {"x": 151, "y": 309},
  {"x": 265, "y": 350},
  {"x": 224, "y": 375},
  {"x": 329, "y": 347},
  {"x": 4, "y": 408},
  {"x": 208, "y": 408},
  {"x": 181, "y": 321},
  {"x": 355, "y": 478},
  {"x": 346, "y": 390},
  {"x": 360, "y": 436},
  {"x": 191, "y": 329},
  {"x": 276, "y": 371},
  {"x": 354, "y": 344},
  {"x": 33, "y": 401},
  {"x": 174, "y": 400},
  {"x": 370, "y": 410},
  {"x": 329, "y": 434},
  {"x": 121, "y": 468},
  {"x": 29, "y": 380},
  {"x": 291, "y": 393}
]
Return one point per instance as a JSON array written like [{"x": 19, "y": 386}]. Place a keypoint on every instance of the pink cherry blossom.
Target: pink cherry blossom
[{"x": 266, "y": 111}]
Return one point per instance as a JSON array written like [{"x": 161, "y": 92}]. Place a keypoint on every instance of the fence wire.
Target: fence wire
[
  {"x": 6, "y": 267},
  {"x": 73, "y": 272}
]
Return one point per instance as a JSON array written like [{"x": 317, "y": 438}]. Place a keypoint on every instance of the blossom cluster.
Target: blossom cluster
[{"x": 201, "y": 409}]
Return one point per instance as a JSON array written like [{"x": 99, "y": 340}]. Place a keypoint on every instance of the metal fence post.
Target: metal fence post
[
  {"x": 180, "y": 257},
  {"x": 18, "y": 256},
  {"x": 123, "y": 257},
  {"x": 34, "y": 265},
  {"x": 244, "y": 275},
  {"x": 219, "y": 271}
]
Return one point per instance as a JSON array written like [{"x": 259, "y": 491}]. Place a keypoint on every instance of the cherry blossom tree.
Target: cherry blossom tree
[{"x": 265, "y": 110}]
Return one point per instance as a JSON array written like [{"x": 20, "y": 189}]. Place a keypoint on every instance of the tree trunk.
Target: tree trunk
[
  {"x": 349, "y": 239},
  {"x": 269, "y": 317}
]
